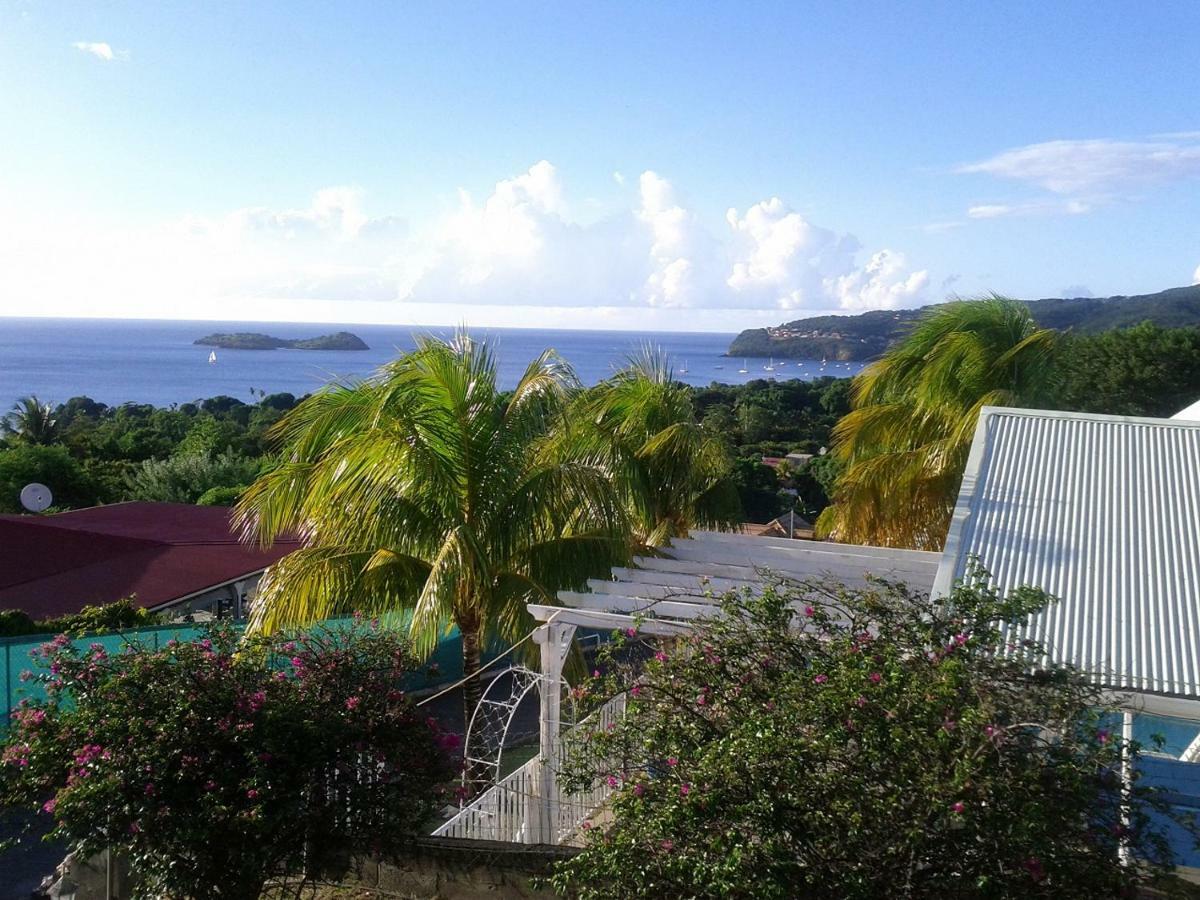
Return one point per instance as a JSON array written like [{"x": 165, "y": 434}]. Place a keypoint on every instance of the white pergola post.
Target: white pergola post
[
  {"x": 1126, "y": 781},
  {"x": 554, "y": 639}
]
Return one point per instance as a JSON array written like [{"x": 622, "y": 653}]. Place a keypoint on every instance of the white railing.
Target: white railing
[{"x": 513, "y": 809}]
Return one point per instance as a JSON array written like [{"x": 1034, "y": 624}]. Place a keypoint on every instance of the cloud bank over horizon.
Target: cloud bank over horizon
[{"x": 520, "y": 246}]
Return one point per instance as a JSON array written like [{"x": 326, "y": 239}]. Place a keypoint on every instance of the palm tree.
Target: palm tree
[
  {"x": 32, "y": 421},
  {"x": 905, "y": 442},
  {"x": 423, "y": 490},
  {"x": 672, "y": 473}
]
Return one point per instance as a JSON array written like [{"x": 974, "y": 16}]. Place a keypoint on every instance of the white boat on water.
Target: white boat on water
[
  {"x": 683, "y": 370},
  {"x": 212, "y": 357},
  {"x": 743, "y": 370},
  {"x": 770, "y": 367}
]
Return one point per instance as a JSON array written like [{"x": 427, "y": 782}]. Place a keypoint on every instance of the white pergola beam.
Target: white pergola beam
[
  {"x": 605, "y": 621},
  {"x": 635, "y": 606},
  {"x": 802, "y": 546}
]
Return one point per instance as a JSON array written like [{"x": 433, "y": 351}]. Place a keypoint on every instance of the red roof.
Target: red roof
[{"x": 157, "y": 552}]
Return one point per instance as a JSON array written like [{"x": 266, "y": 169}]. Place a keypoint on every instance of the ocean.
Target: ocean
[{"x": 117, "y": 361}]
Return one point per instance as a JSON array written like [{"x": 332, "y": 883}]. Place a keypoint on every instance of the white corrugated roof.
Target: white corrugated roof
[{"x": 1102, "y": 512}]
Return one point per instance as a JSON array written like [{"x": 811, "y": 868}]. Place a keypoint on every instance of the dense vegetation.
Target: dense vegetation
[
  {"x": 867, "y": 335},
  {"x": 89, "y": 453},
  {"x": 213, "y": 765},
  {"x": 118, "y": 616},
  {"x": 827, "y": 742}
]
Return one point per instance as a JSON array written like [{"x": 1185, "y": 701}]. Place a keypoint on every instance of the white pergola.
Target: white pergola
[{"x": 665, "y": 596}]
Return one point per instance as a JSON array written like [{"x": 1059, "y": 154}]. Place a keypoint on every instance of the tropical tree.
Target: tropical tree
[
  {"x": 673, "y": 473},
  {"x": 904, "y": 444},
  {"x": 32, "y": 421},
  {"x": 422, "y": 489}
]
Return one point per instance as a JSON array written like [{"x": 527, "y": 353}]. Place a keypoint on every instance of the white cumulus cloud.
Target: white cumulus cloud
[
  {"x": 101, "y": 50},
  {"x": 518, "y": 246}
]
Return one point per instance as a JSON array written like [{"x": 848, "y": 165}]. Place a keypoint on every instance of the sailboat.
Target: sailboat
[
  {"x": 683, "y": 368},
  {"x": 212, "y": 357},
  {"x": 743, "y": 370},
  {"x": 770, "y": 367}
]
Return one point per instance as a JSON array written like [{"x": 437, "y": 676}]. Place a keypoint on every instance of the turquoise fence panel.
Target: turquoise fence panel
[{"x": 18, "y": 655}]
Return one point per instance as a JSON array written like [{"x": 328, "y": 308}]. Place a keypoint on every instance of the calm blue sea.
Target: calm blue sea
[{"x": 147, "y": 361}]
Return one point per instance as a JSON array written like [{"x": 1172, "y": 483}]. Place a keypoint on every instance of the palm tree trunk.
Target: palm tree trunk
[{"x": 474, "y": 776}]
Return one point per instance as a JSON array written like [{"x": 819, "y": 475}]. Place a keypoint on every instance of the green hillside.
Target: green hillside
[{"x": 867, "y": 335}]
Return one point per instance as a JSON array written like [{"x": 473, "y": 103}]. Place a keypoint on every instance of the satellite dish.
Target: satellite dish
[{"x": 36, "y": 497}]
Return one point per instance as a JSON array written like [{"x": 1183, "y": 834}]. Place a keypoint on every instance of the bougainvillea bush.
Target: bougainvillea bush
[
  {"x": 832, "y": 743},
  {"x": 217, "y": 764}
]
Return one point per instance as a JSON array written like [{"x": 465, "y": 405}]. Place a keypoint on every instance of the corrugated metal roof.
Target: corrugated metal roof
[{"x": 1102, "y": 512}]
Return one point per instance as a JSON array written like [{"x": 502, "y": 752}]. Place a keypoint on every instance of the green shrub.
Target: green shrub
[
  {"x": 184, "y": 479},
  {"x": 837, "y": 743},
  {"x": 214, "y": 765},
  {"x": 221, "y": 496}
]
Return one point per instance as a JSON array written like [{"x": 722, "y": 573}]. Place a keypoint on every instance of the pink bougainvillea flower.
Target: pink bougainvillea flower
[
  {"x": 672, "y": 761},
  {"x": 685, "y": 789},
  {"x": 809, "y": 611},
  {"x": 635, "y": 691},
  {"x": 631, "y": 632},
  {"x": 353, "y": 702},
  {"x": 639, "y": 789},
  {"x": 875, "y": 677},
  {"x": 957, "y": 807},
  {"x": 820, "y": 679},
  {"x": 612, "y": 781},
  {"x": 660, "y": 656},
  {"x": 252, "y": 794}
]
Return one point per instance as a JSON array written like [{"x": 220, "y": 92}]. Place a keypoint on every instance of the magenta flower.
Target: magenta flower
[
  {"x": 685, "y": 789},
  {"x": 612, "y": 781},
  {"x": 668, "y": 845},
  {"x": 809, "y": 611},
  {"x": 635, "y": 691},
  {"x": 252, "y": 794},
  {"x": 595, "y": 673},
  {"x": 353, "y": 702},
  {"x": 672, "y": 761},
  {"x": 875, "y": 677},
  {"x": 639, "y": 789},
  {"x": 660, "y": 656},
  {"x": 1102, "y": 735},
  {"x": 957, "y": 808},
  {"x": 820, "y": 679},
  {"x": 631, "y": 632}
]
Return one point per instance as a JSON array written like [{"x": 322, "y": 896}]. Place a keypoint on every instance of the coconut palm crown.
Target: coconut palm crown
[
  {"x": 904, "y": 444},
  {"x": 672, "y": 473},
  {"x": 424, "y": 489},
  {"x": 32, "y": 421}
]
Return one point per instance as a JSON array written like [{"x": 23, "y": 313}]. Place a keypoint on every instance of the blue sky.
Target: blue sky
[{"x": 698, "y": 166}]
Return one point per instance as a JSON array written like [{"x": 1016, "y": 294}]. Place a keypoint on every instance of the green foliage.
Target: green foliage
[
  {"x": 423, "y": 489},
  {"x": 208, "y": 436},
  {"x": 31, "y": 421},
  {"x": 116, "y": 616},
  {"x": 1141, "y": 371},
  {"x": 214, "y": 765},
  {"x": 904, "y": 445},
  {"x": 672, "y": 473},
  {"x": 826, "y": 742},
  {"x": 52, "y": 466},
  {"x": 221, "y": 496},
  {"x": 184, "y": 479}
]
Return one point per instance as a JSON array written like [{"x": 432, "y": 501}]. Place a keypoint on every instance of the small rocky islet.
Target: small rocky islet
[{"x": 249, "y": 340}]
